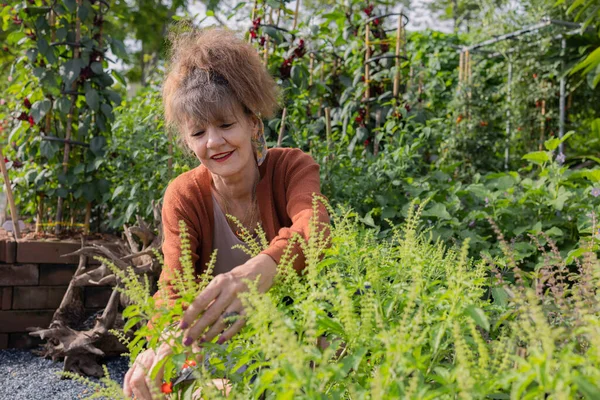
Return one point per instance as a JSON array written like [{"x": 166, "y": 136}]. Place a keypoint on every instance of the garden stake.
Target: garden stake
[
  {"x": 88, "y": 215},
  {"x": 377, "y": 130},
  {"x": 59, "y": 208},
  {"x": 266, "y": 52},
  {"x": 542, "y": 126},
  {"x": 40, "y": 214},
  {"x": 296, "y": 15},
  {"x": 328, "y": 127},
  {"x": 397, "y": 74},
  {"x": 281, "y": 127},
  {"x": 311, "y": 68},
  {"x": 561, "y": 101},
  {"x": 367, "y": 70},
  {"x": 9, "y": 196},
  {"x": 460, "y": 67}
]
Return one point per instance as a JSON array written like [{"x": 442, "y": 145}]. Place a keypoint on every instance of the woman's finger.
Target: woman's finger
[
  {"x": 233, "y": 329},
  {"x": 209, "y": 318},
  {"x": 126, "y": 384},
  {"x": 163, "y": 351},
  {"x": 202, "y": 301},
  {"x": 138, "y": 384},
  {"x": 222, "y": 323}
]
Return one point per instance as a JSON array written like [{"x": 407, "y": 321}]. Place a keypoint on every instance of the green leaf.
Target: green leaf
[
  {"x": 500, "y": 296},
  {"x": 39, "y": 109},
  {"x": 96, "y": 67},
  {"x": 63, "y": 105},
  {"x": 438, "y": 210},
  {"x": 92, "y": 99},
  {"x": 117, "y": 192},
  {"x": 120, "y": 78},
  {"x": 587, "y": 388},
  {"x": 537, "y": 157},
  {"x": 479, "y": 317},
  {"x": 552, "y": 144},
  {"x": 70, "y": 5},
  {"x": 97, "y": 145},
  {"x": 70, "y": 70}
]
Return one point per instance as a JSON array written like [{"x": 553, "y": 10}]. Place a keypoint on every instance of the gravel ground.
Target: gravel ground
[{"x": 25, "y": 376}]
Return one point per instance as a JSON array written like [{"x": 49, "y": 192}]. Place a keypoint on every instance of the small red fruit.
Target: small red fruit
[
  {"x": 189, "y": 364},
  {"x": 27, "y": 103},
  {"x": 167, "y": 387},
  {"x": 31, "y": 121}
]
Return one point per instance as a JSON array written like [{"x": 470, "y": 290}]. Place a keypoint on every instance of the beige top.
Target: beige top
[{"x": 223, "y": 240}]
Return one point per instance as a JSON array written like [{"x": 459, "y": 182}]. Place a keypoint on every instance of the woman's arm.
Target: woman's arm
[
  {"x": 302, "y": 183},
  {"x": 173, "y": 212}
]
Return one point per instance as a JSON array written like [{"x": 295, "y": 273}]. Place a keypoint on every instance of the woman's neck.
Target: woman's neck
[{"x": 239, "y": 188}]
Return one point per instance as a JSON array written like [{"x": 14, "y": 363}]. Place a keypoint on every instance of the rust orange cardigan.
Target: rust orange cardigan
[{"x": 288, "y": 180}]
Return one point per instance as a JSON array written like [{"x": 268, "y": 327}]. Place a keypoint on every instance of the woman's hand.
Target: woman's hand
[
  {"x": 137, "y": 381},
  {"x": 220, "y": 300}
]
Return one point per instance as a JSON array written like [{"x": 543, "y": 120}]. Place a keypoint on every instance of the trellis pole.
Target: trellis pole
[
  {"x": 281, "y": 127},
  {"x": 328, "y": 128},
  {"x": 508, "y": 106},
  {"x": 9, "y": 196},
  {"x": 367, "y": 69},
  {"x": 67, "y": 148},
  {"x": 561, "y": 120},
  {"x": 398, "y": 39},
  {"x": 296, "y": 15},
  {"x": 266, "y": 52}
]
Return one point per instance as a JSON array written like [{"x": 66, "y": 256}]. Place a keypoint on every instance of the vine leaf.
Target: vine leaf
[{"x": 39, "y": 109}]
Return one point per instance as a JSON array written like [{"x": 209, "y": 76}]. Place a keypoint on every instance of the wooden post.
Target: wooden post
[
  {"x": 67, "y": 148},
  {"x": 311, "y": 69},
  {"x": 281, "y": 127},
  {"x": 266, "y": 52},
  {"x": 9, "y": 196},
  {"x": 40, "y": 215},
  {"x": 88, "y": 215},
  {"x": 377, "y": 131},
  {"x": 397, "y": 74},
  {"x": 367, "y": 57},
  {"x": 328, "y": 127},
  {"x": 543, "y": 126},
  {"x": 296, "y": 15},
  {"x": 461, "y": 66}
]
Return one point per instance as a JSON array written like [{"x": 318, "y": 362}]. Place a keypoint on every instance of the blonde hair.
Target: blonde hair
[{"x": 210, "y": 72}]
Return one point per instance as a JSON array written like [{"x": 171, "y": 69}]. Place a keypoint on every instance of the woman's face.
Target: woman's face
[{"x": 224, "y": 146}]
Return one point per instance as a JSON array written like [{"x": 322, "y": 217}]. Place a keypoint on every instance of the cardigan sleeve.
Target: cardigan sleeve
[
  {"x": 172, "y": 213},
  {"x": 302, "y": 182}
]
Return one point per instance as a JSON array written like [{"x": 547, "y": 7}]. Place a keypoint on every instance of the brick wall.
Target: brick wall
[{"x": 33, "y": 280}]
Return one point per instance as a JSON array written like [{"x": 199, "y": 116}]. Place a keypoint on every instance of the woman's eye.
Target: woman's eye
[
  {"x": 199, "y": 133},
  {"x": 225, "y": 126}
]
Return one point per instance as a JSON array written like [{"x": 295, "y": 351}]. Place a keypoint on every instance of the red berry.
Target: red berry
[
  {"x": 407, "y": 107},
  {"x": 27, "y": 103},
  {"x": 358, "y": 119},
  {"x": 376, "y": 21},
  {"x": 366, "y": 143},
  {"x": 167, "y": 387},
  {"x": 31, "y": 122},
  {"x": 23, "y": 117},
  {"x": 262, "y": 40}
]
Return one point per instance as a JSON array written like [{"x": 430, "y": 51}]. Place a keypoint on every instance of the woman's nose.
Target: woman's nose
[{"x": 215, "y": 137}]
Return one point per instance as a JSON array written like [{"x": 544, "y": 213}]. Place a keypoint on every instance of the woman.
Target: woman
[{"x": 215, "y": 94}]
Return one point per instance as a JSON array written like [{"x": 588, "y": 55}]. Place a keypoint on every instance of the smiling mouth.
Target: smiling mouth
[{"x": 222, "y": 156}]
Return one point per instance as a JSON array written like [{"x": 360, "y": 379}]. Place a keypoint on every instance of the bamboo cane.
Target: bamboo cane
[
  {"x": 266, "y": 52},
  {"x": 67, "y": 148},
  {"x": 88, "y": 215},
  {"x": 328, "y": 128},
  {"x": 296, "y": 15},
  {"x": 311, "y": 69},
  {"x": 9, "y": 196},
  {"x": 543, "y": 126},
  {"x": 377, "y": 129},
  {"x": 367, "y": 57},
  {"x": 40, "y": 215},
  {"x": 397, "y": 74},
  {"x": 281, "y": 127},
  {"x": 461, "y": 66}
]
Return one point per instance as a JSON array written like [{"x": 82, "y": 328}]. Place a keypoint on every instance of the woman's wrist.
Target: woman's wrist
[{"x": 262, "y": 266}]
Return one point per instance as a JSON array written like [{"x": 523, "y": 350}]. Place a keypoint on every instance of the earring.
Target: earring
[{"x": 260, "y": 144}]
